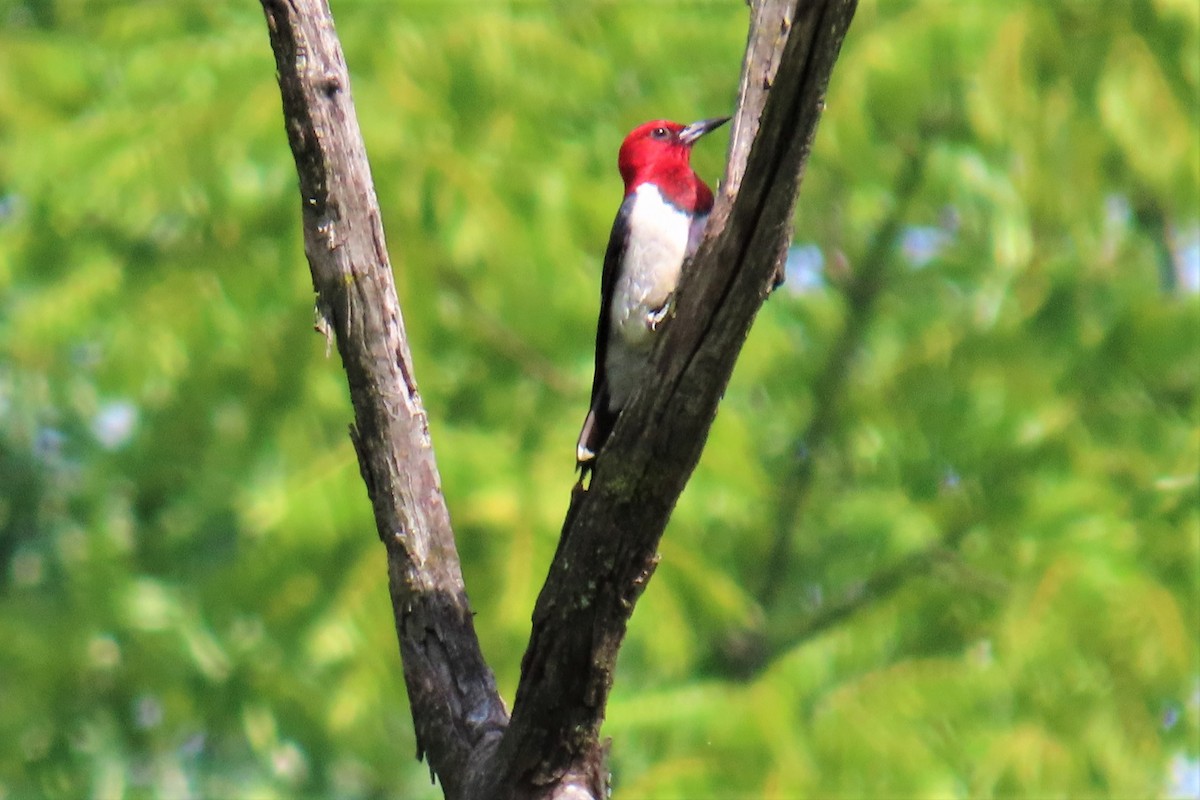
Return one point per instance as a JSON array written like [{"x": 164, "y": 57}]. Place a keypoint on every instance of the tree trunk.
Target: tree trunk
[{"x": 608, "y": 551}]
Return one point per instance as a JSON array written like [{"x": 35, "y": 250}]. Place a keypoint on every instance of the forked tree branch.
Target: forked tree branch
[{"x": 607, "y": 553}]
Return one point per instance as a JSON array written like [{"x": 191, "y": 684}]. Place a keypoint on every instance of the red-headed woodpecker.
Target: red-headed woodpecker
[{"x": 659, "y": 225}]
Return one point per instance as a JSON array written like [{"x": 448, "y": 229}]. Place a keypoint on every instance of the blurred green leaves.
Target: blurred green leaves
[{"x": 990, "y": 587}]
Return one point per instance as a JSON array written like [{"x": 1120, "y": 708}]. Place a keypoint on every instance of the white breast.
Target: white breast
[
  {"x": 658, "y": 241},
  {"x": 660, "y": 238}
]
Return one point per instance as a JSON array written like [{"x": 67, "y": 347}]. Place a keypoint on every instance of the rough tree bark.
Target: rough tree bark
[
  {"x": 607, "y": 553},
  {"x": 455, "y": 705}
]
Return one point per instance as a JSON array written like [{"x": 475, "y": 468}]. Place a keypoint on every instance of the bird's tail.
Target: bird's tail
[{"x": 596, "y": 427}]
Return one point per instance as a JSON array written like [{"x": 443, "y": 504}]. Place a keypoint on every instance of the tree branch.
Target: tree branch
[
  {"x": 877, "y": 587},
  {"x": 456, "y": 709},
  {"x": 607, "y": 552},
  {"x": 746, "y": 653},
  {"x": 867, "y": 281},
  {"x": 610, "y": 538}
]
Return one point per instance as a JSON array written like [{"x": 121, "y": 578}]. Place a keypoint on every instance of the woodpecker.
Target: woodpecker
[{"x": 659, "y": 225}]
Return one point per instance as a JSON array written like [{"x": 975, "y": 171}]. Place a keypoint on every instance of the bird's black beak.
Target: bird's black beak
[{"x": 692, "y": 132}]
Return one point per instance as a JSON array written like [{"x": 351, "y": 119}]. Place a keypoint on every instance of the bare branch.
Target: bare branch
[
  {"x": 456, "y": 709},
  {"x": 607, "y": 551},
  {"x": 610, "y": 538}
]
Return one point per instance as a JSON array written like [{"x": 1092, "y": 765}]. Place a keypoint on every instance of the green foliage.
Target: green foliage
[{"x": 989, "y": 586}]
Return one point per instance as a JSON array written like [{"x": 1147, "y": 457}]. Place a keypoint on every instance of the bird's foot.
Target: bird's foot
[{"x": 659, "y": 315}]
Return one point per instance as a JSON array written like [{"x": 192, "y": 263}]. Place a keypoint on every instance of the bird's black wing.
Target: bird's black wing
[{"x": 600, "y": 419}]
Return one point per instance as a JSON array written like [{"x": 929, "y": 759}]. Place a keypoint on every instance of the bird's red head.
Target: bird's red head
[{"x": 660, "y": 152}]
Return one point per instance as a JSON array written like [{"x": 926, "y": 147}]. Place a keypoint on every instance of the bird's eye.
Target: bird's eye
[{"x": 660, "y": 133}]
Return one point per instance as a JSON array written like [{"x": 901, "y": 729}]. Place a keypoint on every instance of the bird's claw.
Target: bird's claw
[{"x": 658, "y": 315}]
